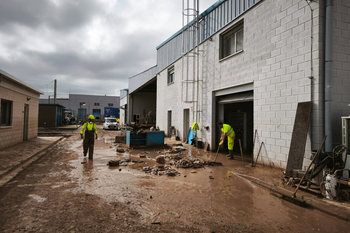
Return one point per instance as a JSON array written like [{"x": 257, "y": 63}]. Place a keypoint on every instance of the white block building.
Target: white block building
[{"x": 256, "y": 60}]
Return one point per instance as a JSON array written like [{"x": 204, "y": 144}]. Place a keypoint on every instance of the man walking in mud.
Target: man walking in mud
[
  {"x": 228, "y": 132},
  {"x": 89, "y": 139}
]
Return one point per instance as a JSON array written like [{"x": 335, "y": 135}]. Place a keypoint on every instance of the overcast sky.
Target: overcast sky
[{"x": 89, "y": 46}]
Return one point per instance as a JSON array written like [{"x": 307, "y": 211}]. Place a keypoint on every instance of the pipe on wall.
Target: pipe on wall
[
  {"x": 311, "y": 77},
  {"x": 328, "y": 74}
]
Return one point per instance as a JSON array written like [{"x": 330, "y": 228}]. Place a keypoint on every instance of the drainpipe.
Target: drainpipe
[
  {"x": 328, "y": 74},
  {"x": 311, "y": 77}
]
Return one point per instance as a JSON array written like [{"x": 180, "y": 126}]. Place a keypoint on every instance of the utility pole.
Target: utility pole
[{"x": 55, "y": 90}]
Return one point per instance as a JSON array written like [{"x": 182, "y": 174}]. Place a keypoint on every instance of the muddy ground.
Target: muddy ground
[{"x": 65, "y": 192}]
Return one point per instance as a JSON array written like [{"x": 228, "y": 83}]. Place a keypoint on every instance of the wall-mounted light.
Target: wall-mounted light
[
  {"x": 210, "y": 39},
  {"x": 28, "y": 98}
]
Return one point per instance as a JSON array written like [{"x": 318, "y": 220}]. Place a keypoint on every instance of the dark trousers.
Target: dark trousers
[{"x": 88, "y": 144}]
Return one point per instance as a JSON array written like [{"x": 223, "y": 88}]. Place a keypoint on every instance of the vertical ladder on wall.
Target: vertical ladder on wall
[{"x": 190, "y": 87}]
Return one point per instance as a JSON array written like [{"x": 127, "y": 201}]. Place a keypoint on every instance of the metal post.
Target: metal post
[{"x": 55, "y": 91}]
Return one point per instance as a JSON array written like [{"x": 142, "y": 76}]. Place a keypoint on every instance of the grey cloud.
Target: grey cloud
[{"x": 67, "y": 15}]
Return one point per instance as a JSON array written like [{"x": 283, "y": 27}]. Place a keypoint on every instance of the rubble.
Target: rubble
[
  {"x": 120, "y": 150},
  {"x": 113, "y": 163},
  {"x": 137, "y": 161},
  {"x": 175, "y": 156},
  {"x": 160, "y": 159},
  {"x": 180, "y": 148},
  {"x": 190, "y": 163},
  {"x": 126, "y": 160},
  {"x": 161, "y": 170}
]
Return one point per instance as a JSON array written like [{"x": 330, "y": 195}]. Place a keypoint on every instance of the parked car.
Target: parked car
[{"x": 110, "y": 123}]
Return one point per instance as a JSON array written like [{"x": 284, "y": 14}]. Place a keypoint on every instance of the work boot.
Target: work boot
[{"x": 231, "y": 155}]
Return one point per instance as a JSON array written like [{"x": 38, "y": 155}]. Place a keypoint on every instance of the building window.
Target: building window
[
  {"x": 96, "y": 104},
  {"x": 171, "y": 75},
  {"x": 110, "y": 104},
  {"x": 6, "y": 113},
  {"x": 231, "y": 42}
]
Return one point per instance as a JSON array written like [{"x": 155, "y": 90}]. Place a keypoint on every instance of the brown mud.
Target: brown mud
[{"x": 65, "y": 192}]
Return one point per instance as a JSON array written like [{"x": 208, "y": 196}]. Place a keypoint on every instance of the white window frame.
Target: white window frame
[
  {"x": 231, "y": 41},
  {"x": 171, "y": 75}
]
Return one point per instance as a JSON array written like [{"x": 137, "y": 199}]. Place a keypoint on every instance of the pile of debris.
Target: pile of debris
[
  {"x": 176, "y": 150},
  {"x": 190, "y": 163},
  {"x": 161, "y": 170},
  {"x": 123, "y": 162}
]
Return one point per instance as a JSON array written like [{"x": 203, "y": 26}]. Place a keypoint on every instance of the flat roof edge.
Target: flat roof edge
[
  {"x": 204, "y": 13},
  {"x": 20, "y": 82}
]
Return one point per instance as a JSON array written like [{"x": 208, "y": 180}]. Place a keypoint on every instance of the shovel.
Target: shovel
[{"x": 216, "y": 163}]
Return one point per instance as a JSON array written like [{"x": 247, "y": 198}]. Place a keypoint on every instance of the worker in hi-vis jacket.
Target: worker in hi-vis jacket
[
  {"x": 228, "y": 132},
  {"x": 89, "y": 139}
]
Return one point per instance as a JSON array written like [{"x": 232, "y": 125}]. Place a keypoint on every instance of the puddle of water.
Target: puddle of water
[{"x": 101, "y": 142}]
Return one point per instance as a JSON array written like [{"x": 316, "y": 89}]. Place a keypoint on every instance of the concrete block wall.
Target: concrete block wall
[
  {"x": 169, "y": 99},
  {"x": 11, "y": 135},
  {"x": 277, "y": 59}
]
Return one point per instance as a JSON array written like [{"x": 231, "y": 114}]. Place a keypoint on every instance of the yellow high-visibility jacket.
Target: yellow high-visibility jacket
[
  {"x": 88, "y": 126},
  {"x": 228, "y": 130}
]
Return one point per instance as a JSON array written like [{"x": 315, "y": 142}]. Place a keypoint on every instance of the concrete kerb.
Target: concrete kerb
[
  {"x": 6, "y": 176},
  {"x": 336, "y": 211}
]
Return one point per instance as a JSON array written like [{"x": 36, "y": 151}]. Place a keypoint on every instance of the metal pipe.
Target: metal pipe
[
  {"x": 183, "y": 50},
  {"x": 311, "y": 77},
  {"x": 328, "y": 74}
]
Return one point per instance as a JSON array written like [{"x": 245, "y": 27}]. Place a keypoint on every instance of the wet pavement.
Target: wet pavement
[{"x": 88, "y": 195}]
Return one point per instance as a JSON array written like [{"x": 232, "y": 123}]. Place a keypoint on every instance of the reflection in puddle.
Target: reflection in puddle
[
  {"x": 100, "y": 142},
  {"x": 190, "y": 153},
  {"x": 88, "y": 166}
]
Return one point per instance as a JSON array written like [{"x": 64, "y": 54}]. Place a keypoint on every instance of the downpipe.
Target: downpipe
[{"x": 328, "y": 74}]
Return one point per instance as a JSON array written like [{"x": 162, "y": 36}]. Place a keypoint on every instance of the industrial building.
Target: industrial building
[
  {"x": 83, "y": 105},
  {"x": 19, "y": 108},
  {"x": 249, "y": 63}
]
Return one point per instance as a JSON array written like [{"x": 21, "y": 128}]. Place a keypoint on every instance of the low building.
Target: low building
[{"x": 19, "y": 110}]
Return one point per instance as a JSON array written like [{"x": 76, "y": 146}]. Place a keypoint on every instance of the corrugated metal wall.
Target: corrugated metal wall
[
  {"x": 211, "y": 20},
  {"x": 140, "y": 79}
]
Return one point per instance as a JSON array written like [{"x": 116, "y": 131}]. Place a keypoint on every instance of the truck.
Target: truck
[{"x": 111, "y": 112}]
